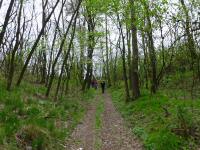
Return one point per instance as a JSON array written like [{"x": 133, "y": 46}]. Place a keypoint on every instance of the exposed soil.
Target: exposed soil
[
  {"x": 83, "y": 137},
  {"x": 114, "y": 135}
]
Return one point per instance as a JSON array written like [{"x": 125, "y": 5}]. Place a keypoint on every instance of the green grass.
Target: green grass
[
  {"x": 99, "y": 113},
  {"x": 182, "y": 83},
  {"x": 157, "y": 129},
  {"x": 26, "y": 116}
]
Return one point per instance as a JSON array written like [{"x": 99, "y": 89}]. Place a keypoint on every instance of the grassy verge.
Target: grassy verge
[
  {"x": 162, "y": 123},
  {"x": 28, "y": 119},
  {"x": 98, "y": 122}
]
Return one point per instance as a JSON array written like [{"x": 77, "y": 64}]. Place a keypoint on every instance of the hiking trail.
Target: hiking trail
[{"x": 103, "y": 130}]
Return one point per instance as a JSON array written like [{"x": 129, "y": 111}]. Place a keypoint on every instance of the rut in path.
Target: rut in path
[{"x": 113, "y": 135}]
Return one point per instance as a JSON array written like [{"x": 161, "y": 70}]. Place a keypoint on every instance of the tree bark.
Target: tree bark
[
  {"x": 152, "y": 52},
  {"x": 128, "y": 37},
  {"x": 145, "y": 60},
  {"x": 91, "y": 45},
  {"x": 17, "y": 43},
  {"x": 1, "y": 2},
  {"x": 44, "y": 37},
  {"x": 52, "y": 46},
  {"x": 7, "y": 18},
  {"x": 35, "y": 45},
  {"x": 66, "y": 57},
  {"x": 60, "y": 50},
  {"x": 107, "y": 53},
  {"x": 123, "y": 52},
  {"x": 135, "y": 55}
]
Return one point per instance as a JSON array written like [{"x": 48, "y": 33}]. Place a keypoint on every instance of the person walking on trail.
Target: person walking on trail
[
  {"x": 103, "y": 86},
  {"x": 95, "y": 84}
]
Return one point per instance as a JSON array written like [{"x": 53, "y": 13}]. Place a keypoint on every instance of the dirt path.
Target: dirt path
[
  {"x": 83, "y": 137},
  {"x": 113, "y": 134}
]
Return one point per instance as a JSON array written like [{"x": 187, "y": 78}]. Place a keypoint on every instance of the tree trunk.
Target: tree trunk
[
  {"x": 107, "y": 53},
  {"x": 135, "y": 55},
  {"x": 145, "y": 60},
  {"x": 128, "y": 37},
  {"x": 35, "y": 45},
  {"x": 152, "y": 52},
  {"x": 123, "y": 52},
  {"x": 60, "y": 50},
  {"x": 7, "y": 18},
  {"x": 91, "y": 45},
  {"x": 52, "y": 46},
  {"x": 17, "y": 43},
  {"x": 66, "y": 57},
  {"x": 190, "y": 45},
  {"x": 1, "y": 2}
]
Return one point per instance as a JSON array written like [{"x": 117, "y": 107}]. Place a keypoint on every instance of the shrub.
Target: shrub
[{"x": 33, "y": 136}]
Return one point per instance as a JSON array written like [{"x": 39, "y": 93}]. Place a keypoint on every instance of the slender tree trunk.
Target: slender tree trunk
[
  {"x": 128, "y": 37},
  {"x": 191, "y": 44},
  {"x": 107, "y": 53},
  {"x": 35, "y": 45},
  {"x": 91, "y": 45},
  {"x": 66, "y": 57},
  {"x": 82, "y": 50},
  {"x": 123, "y": 51},
  {"x": 60, "y": 50},
  {"x": 44, "y": 37},
  {"x": 145, "y": 60},
  {"x": 1, "y": 2},
  {"x": 53, "y": 44},
  {"x": 17, "y": 44},
  {"x": 68, "y": 78},
  {"x": 115, "y": 67},
  {"x": 152, "y": 52},
  {"x": 7, "y": 18},
  {"x": 161, "y": 73},
  {"x": 135, "y": 55}
]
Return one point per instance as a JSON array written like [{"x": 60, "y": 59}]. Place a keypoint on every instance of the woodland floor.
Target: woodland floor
[{"x": 103, "y": 129}]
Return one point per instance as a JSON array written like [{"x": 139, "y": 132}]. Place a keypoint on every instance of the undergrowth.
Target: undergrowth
[
  {"x": 162, "y": 123},
  {"x": 29, "y": 119}
]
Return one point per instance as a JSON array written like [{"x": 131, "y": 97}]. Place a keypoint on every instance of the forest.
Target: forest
[{"x": 99, "y": 74}]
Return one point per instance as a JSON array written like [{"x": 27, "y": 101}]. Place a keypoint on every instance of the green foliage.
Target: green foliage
[
  {"x": 98, "y": 115},
  {"x": 33, "y": 136},
  {"x": 181, "y": 82},
  {"x": 26, "y": 116},
  {"x": 163, "y": 140},
  {"x": 140, "y": 132},
  {"x": 159, "y": 121},
  {"x": 89, "y": 94},
  {"x": 184, "y": 118}
]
